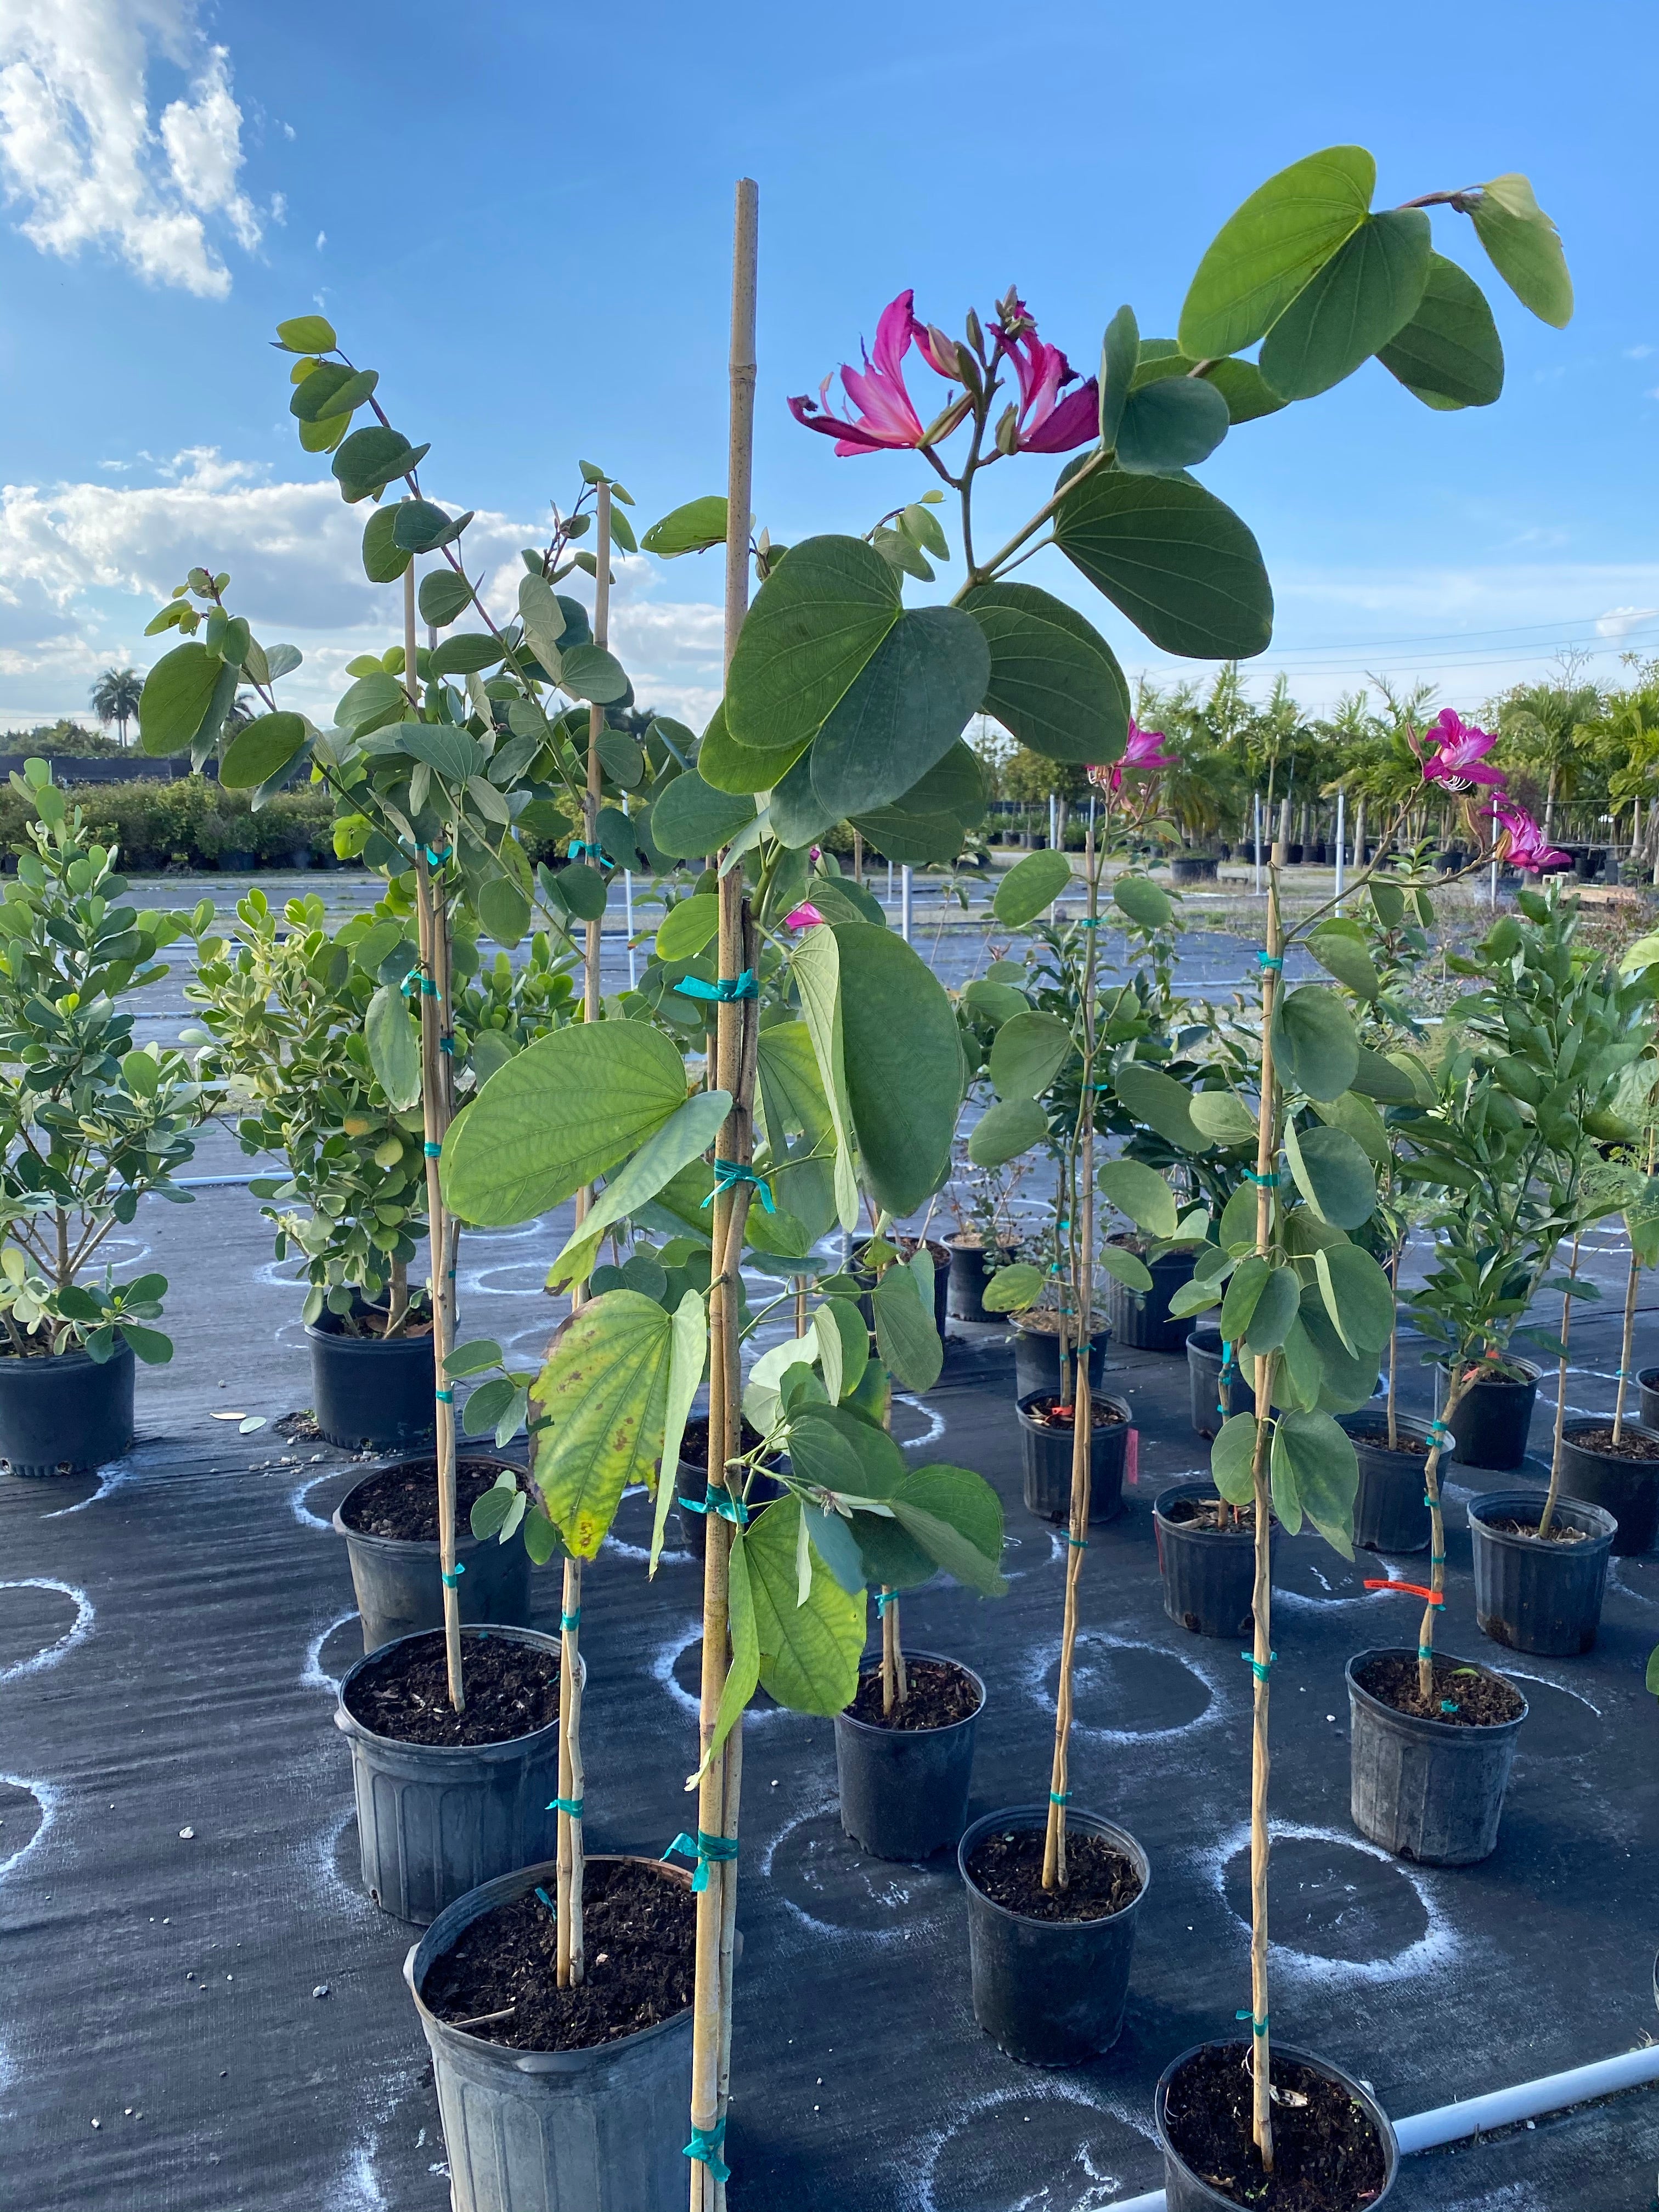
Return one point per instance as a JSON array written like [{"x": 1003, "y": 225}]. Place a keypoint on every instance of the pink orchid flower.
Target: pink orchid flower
[
  {"x": 1141, "y": 752},
  {"x": 1459, "y": 761},
  {"x": 804, "y": 916},
  {"x": 1045, "y": 423},
  {"x": 887, "y": 418},
  {"x": 1524, "y": 841}
]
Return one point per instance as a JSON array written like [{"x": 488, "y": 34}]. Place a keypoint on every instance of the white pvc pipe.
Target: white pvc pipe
[
  {"x": 1341, "y": 832},
  {"x": 1501, "y": 2108},
  {"x": 907, "y": 882}
]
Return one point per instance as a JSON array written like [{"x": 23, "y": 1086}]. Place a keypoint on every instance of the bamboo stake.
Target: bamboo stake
[
  {"x": 735, "y": 1035},
  {"x": 569, "y": 1852},
  {"x": 1628, "y": 1340},
  {"x": 1548, "y": 1515},
  {"x": 1083, "y": 1274},
  {"x": 1266, "y": 1157}
]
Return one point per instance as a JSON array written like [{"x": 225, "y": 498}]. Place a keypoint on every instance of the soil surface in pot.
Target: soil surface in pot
[
  {"x": 1477, "y": 1699},
  {"x": 403, "y": 1694},
  {"x": 1632, "y": 1444},
  {"x": 939, "y": 1695},
  {"x": 368, "y": 1325},
  {"x": 1377, "y": 1440},
  {"x": 970, "y": 1240},
  {"x": 1100, "y": 1880},
  {"x": 1516, "y": 1525},
  {"x": 1050, "y": 1413},
  {"x": 639, "y": 1929},
  {"x": 694, "y": 1444},
  {"x": 1045, "y": 1321},
  {"x": 403, "y": 1501},
  {"x": 1516, "y": 1382},
  {"x": 1212, "y": 1514},
  {"x": 1327, "y": 2156}
]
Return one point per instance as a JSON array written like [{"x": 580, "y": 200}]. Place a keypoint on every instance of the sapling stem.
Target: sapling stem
[
  {"x": 1082, "y": 1218},
  {"x": 1393, "y": 1348},
  {"x": 1454, "y": 1397},
  {"x": 433, "y": 924},
  {"x": 735, "y": 1043},
  {"x": 1548, "y": 1514},
  {"x": 1628, "y": 1342}
]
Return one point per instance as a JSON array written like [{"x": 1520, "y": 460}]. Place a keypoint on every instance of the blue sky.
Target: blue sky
[{"x": 521, "y": 215}]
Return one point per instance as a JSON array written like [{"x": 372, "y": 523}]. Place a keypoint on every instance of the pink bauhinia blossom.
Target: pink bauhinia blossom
[
  {"x": 804, "y": 916},
  {"x": 886, "y": 419},
  {"x": 1045, "y": 423},
  {"x": 1524, "y": 841},
  {"x": 1141, "y": 752},
  {"x": 1458, "y": 763}
]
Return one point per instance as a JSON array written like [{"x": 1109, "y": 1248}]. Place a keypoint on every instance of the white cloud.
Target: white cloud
[
  {"x": 322, "y": 240},
  {"x": 1620, "y": 621},
  {"x": 79, "y": 152}
]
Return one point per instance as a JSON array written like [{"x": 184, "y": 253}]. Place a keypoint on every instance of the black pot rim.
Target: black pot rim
[
  {"x": 846, "y": 1718},
  {"x": 1495, "y": 1503},
  {"x": 1036, "y": 1816},
  {"x": 1357, "y": 2089},
  {"x": 1101, "y": 1335},
  {"x": 1107, "y": 1397},
  {"x": 413, "y": 1546},
  {"x": 510, "y": 1747},
  {"x": 1195, "y": 1485},
  {"x": 1447, "y": 1731},
  {"x": 1418, "y": 1430},
  {"x": 54, "y": 1363},
  {"x": 485, "y": 1898},
  {"x": 371, "y": 1345},
  {"x": 1648, "y": 1377},
  {"x": 1533, "y": 1374},
  {"x": 1619, "y": 1459}
]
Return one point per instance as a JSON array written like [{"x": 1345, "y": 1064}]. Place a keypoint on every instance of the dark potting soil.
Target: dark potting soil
[
  {"x": 694, "y": 1444},
  {"x": 939, "y": 1694},
  {"x": 1515, "y": 1381},
  {"x": 1479, "y": 1699},
  {"x": 369, "y": 1325},
  {"x": 1049, "y": 1414},
  {"x": 639, "y": 1931},
  {"x": 1377, "y": 1440},
  {"x": 511, "y": 1690},
  {"x": 402, "y": 1501},
  {"x": 1633, "y": 1444},
  {"x": 1558, "y": 1531},
  {"x": 1046, "y": 1323},
  {"x": 1100, "y": 1880},
  {"x": 1327, "y": 2154},
  {"x": 1210, "y": 1513}
]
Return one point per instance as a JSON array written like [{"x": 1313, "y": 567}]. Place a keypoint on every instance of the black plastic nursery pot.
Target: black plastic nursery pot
[
  {"x": 599, "y": 2129},
  {"x": 1390, "y": 1511},
  {"x": 1050, "y": 1992},
  {"x": 1204, "y": 1359},
  {"x": 1141, "y": 1320},
  {"x": 1209, "y": 1574},
  {"x": 1647, "y": 1383},
  {"x": 965, "y": 1280},
  {"x": 1542, "y": 1596},
  {"x": 370, "y": 1390},
  {"x": 1193, "y": 868},
  {"x": 1046, "y": 1452},
  {"x": 398, "y": 1581},
  {"x": 63, "y": 1413},
  {"x": 904, "y": 1790},
  {"x": 1493, "y": 1418},
  {"x": 1036, "y": 1356},
  {"x": 909, "y": 1246},
  {"x": 1620, "y": 1484},
  {"x": 691, "y": 1493},
  {"x": 435, "y": 1821},
  {"x": 1184, "y": 2191},
  {"x": 1431, "y": 1790}
]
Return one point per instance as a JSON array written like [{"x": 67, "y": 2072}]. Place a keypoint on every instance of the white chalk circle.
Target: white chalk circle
[
  {"x": 41, "y": 1625},
  {"x": 1074, "y": 2151},
  {"x": 1117, "y": 1683},
  {"x": 1340, "y": 1909}
]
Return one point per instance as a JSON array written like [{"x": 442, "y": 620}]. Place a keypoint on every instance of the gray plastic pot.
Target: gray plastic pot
[
  {"x": 1426, "y": 1790},
  {"x": 1049, "y": 1992},
  {"x": 1209, "y": 1574},
  {"x": 964, "y": 1294},
  {"x": 399, "y": 1583},
  {"x": 1036, "y": 1358},
  {"x": 1204, "y": 1365},
  {"x": 378, "y": 1391},
  {"x": 1141, "y": 1319},
  {"x": 1647, "y": 1383},
  {"x": 434, "y": 1820},
  {"x": 1626, "y": 1488},
  {"x": 904, "y": 1791},
  {"x": 1047, "y": 1455},
  {"x": 1184, "y": 2191},
  {"x": 1539, "y": 1597},
  {"x": 593, "y": 2131},
  {"x": 65, "y": 1413},
  {"x": 1390, "y": 1508}
]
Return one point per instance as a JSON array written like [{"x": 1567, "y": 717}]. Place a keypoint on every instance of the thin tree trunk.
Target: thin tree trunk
[
  {"x": 718, "y": 1795},
  {"x": 1628, "y": 1342},
  {"x": 1561, "y": 1400},
  {"x": 1394, "y": 1347},
  {"x": 1438, "y": 1434},
  {"x": 1549, "y": 804}
]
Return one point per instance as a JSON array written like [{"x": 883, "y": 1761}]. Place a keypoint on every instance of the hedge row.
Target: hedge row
[{"x": 187, "y": 823}]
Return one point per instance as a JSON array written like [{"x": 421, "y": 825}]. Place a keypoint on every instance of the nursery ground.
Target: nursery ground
[{"x": 205, "y": 2013}]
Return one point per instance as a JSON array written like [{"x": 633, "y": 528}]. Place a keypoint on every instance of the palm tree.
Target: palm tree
[
  {"x": 1546, "y": 721},
  {"x": 115, "y": 697}
]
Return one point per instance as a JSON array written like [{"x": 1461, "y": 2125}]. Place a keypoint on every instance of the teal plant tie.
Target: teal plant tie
[
  {"x": 1425, "y": 1651},
  {"x": 729, "y": 1173},
  {"x": 726, "y": 1504},
  {"x": 884, "y": 1598},
  {"x": 446, "y": 1397},
  {"x": 1437, "y": 1558},
  {"x": 579, "y": 851},
  {"x": 571, "y": 1621},
  {"x": 1449, "y": 1705},
  {"x": 547, "y": 1900},
  {"x": 416, "y": 980},
  {"x": 1091, "y": 921},
  {"x": 1079, "y": 1543},
  {"x": 726, "y": 993},
  {"x": 432, "y": 1152},
  {"x": 1257, "y": 2026},
  {"x": 707, "y": 1851},
  {"x": 570, "y": 1807},
  {"x": 1260, "y": 1669},
  {"x": 1271, "y": 963},
  {"x": 453, "y": 1581},
  {"x": 1264, "y": 1182},
  {"x": 1060, "y": 1796},
  {"x": 446, "y": 1044},
  {"x": 437, "y": 860},
  {"x": 705, "y": 2146}
]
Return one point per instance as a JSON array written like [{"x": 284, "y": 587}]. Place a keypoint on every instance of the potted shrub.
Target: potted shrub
[
  {"x": 94, "y": 1124},
  {"x": 986, "y": 1236}
]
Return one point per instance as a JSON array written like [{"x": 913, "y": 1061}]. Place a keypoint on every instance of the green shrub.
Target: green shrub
[{"x": 187, "y": 823}]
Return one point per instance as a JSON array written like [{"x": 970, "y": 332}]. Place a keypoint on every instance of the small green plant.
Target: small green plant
[{"x": 91, "y": 1123}]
